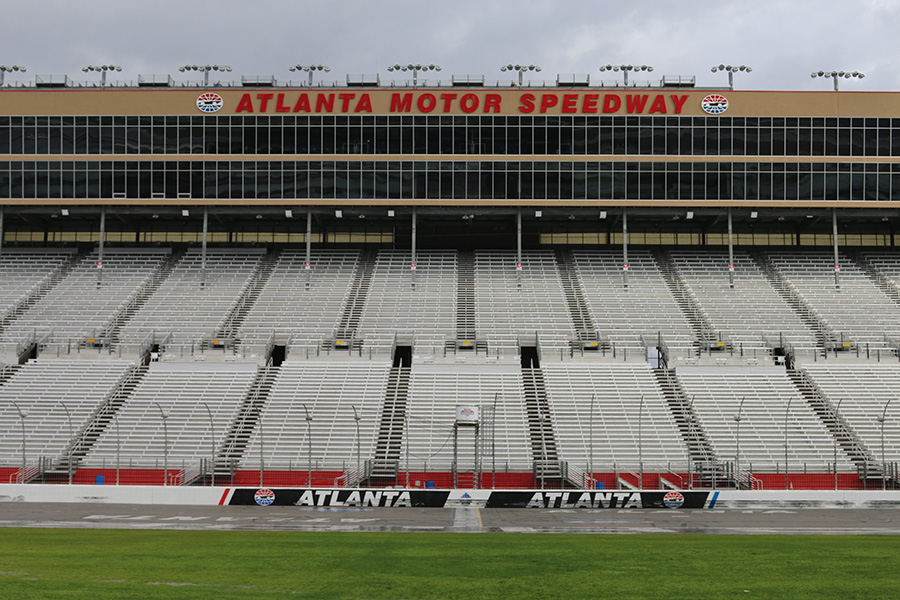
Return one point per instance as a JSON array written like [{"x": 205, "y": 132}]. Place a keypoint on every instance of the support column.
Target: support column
[
  {"x": 307, "y": 265},
  {"x": 730, "y": 250},
  {"x": 412, "y": 259},
  {"x": 1, "y": 231},
  {"x": 519, "y": 246},
  {"x": 415, "y": 222},
  {"x": 203, "y": 247},
  {"x": 834, "y": 237},
  {"x": 625, "y": 246},
  {"x": 100, "y": 249}
]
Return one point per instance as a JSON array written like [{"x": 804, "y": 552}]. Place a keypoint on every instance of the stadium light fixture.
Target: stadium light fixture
[
  {"x": 185, "y": 213},
  {"x": 602, "y": 214},
  {"x": 65, "y": 212},
  {"x": 310, "y": 69},
  {"x": 521, "y": 69},
  {"x": 415, "y": 70},
  {"x": 754, "y": 214},
  {"x": 338, "y": 214},
  {"x": 690, "y": 215},
  {"x": 205, "y": 69},
  {"x": 4, "y": 69},
  {"x": 626, "y": 69},
  {"x": 288, "y": 214},
  {"x": 103, "y": 70},
  {"x": 836, "y": 75},
  {"x": 731, "y": 71}
]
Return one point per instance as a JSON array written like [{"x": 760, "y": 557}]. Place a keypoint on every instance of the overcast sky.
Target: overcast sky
[{"x": 783, "y": 40}]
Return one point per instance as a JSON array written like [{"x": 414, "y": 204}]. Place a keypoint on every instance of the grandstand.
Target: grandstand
[{"x": 612, "y": 288}]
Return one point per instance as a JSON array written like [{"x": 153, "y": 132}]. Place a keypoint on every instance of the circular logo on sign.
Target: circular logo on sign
[
  {"x": 209, "y": 103},
  {"x": 673, "y": 500},
  {"x": 714, "y": 104},
  {"x": 264, "y": 497}
]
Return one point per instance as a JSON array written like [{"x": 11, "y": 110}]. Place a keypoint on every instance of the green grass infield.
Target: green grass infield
[{"x": 96, "y": 564}]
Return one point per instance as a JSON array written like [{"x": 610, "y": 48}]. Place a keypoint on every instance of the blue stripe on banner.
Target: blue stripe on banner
[{"x": 712, "y": 503}]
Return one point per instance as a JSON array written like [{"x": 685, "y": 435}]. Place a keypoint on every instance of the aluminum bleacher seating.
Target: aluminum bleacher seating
[
  {"x": 747, "y": 312},
  {"x": 621, "y": 432},
  {"x": 139, "y": 439},
  {"x": 410, "y": 302},
  {"x": 78, "y": 308},
  {"x": 296, "y": 312},
  {"x": 511, "y": 304},
  {"x": 864, "y": 391},
  {"x": 646, "y": 307},
  {"x": 23, "y": 271},
  {"x": 434, "y": 393},
  {"x": 45, "y": 390},
  {"x": 858, "y": 309},
  {"x": 187, "y": 310},
  {"x": 329, "y": 390},
  {"x": 765, "y": 418}
]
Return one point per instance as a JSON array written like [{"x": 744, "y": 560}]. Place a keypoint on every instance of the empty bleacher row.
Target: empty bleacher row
[
  {"x": 88, "y": 300},
  {"x": 253, "y": 299},
  {"x": 604, "y": 416}
]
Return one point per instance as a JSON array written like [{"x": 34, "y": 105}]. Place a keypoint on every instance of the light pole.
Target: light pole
[
  {"x": 521, "y": 69},
  {"x": 22, "y": 415},
  {"x": 103, "y": 69},
  {"x": 358, "y": 463},
  {"x": 415, "y": 70},
  {"x": 591, "y": 443},
  {"x": 212, "y": 445},
  {"x": 690, "y": 420},
  {"x": 205, "y": 69},
  {"x": 731, "y": 71},
  {"x": 786, "y": 412},
  {"x": 836, "y": 75},
  {"x": 164, "y": 416},
  {"x": 310, "y": 69},
  {"x": 836, "y": 411},
  {"x": 626, "y": 69},
  {"x": 71, "y": 440},
  {"x": 118, "y": 446},
  {"x": 640, "y": 445},
  {"x": 737, "y": 452},
  {"x": 4, "y": 69},
  {"x": 881, "y": 420},
  {"x": 309, "y": 443}
]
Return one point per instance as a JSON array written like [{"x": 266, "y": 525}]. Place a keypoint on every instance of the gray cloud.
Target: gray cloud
[{"x": 783, "y": 41}]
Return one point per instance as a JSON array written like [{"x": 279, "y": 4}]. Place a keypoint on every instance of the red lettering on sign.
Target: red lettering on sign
[
  {"x": 492, "y": 101},
  {"x": 469, "y": 103},
  {"x": 547, "y": 101},
  {"x": 279, "y": 106},
  {"x": 611, "y": 103},
  {"x": 448, "y": 99},
  {"x": 590, "y": 103},
  {"x": 325, "y": 101},
  {"x": 526, "y": 103},
  {"x": 264, "y": 101},
  {"x": 426, "y": 102},
  {"x": 345, "y": 101},
  {"x": 401, "y": 103},
  {"x": 569, "y": 103},
  {"x": 635, "y": 103},
  {"x": 364, "y": 104},
  {"x": 679, "y": 102},
  {"x": 303, "y": 104},
  {"x": 659, "y": 104},
  {"x": 245, "y": 105}
]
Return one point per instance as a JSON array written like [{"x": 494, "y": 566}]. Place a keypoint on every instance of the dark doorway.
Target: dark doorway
[
  {"x": 530, "y": 358},
  {"x": 278, "y": 355},
  {"x": 403, "y": 356}
]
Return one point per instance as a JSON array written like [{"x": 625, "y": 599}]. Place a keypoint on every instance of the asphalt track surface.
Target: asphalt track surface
[{"x": 842, "y": 521}]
